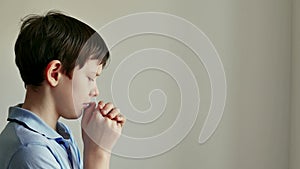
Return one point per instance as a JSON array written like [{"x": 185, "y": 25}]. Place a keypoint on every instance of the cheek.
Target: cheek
[
  {"x": 81, "y": 89},
  {"x": 80, "y": 93}
]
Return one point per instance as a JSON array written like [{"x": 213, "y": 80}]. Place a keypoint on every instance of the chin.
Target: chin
[
  {"x": 72, "y": 114},
  {"x": 76, "y": 115},
  {"x": 71, "y": 117}
]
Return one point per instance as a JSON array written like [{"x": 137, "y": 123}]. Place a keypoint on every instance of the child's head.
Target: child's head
[
  {"x": 55, "y": 37},
  {"x": 63, "y": 54}
]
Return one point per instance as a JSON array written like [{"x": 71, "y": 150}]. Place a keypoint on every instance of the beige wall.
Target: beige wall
[
  {"x": 253, "y": 38},
  {"x": 295, "y": 127}
]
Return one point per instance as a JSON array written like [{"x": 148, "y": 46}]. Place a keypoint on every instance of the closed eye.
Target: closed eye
[{"x": 91, "y": 79}]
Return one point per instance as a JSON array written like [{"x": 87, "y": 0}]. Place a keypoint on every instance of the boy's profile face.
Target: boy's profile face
[{"x": 83, "y": 87}]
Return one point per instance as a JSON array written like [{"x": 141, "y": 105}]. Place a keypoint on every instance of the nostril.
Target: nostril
[{"x": 94, "y": 93}]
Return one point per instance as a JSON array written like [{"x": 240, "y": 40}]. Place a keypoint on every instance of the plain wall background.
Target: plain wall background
[
  {"x": 253, "y": 38},
  {"x": 295, "y": 92}
]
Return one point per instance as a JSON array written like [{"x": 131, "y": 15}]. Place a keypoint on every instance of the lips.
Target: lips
[{"x": 85, "y": 105}]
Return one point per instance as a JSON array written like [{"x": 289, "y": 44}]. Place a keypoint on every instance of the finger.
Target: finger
[
  {"x": 107, "y": 108},
  {"x": 120, "y": 125},
  {"x": 113, "y": 114},
  {"x": 117, "y": 127},
  {"x": 88, "y": 112},
  {"x": 101, "y": 104},
  {"x": 121, "y": 120}
]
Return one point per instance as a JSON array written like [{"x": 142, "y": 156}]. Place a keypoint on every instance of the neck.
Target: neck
[{"x": 38, "y": 101}]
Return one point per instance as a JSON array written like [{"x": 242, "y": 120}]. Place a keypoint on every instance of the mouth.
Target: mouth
[{"x": 85, "y": 105}]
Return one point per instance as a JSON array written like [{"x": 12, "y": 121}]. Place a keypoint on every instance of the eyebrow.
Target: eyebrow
[
  {"x": 95, "y": 73},
  {"x": 98, "y": 71}
]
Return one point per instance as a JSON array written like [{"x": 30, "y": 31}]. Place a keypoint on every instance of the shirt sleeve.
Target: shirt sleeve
[{"x": 33, "y": 156}]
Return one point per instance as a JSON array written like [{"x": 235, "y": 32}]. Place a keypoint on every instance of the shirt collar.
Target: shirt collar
[{"x": 33, "y": 122}]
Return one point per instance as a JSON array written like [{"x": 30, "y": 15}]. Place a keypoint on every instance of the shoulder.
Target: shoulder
[
  {"x": 33, "y": 156},
  {"x": 16, "y": 146}
]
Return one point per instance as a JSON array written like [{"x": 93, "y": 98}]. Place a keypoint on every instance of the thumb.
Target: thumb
[{"x": 87, "y": 114}]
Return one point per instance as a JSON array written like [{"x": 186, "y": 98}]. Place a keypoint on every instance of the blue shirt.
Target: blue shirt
[{"x": 28, "y": 142}]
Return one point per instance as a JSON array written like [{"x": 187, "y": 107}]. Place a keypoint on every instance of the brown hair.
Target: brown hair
[{"x": 55, "y": 36}]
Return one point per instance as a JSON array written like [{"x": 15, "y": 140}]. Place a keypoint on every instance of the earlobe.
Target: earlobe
[{"x": 53, "y": 72}]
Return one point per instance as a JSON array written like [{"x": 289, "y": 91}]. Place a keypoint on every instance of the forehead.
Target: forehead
[{"x": 92, "y": 65}]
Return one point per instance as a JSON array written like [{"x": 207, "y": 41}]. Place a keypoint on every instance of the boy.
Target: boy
[{"x": 59, "y": 58}]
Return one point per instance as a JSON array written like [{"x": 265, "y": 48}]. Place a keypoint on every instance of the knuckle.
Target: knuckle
[{"x": 109, "y": 104}]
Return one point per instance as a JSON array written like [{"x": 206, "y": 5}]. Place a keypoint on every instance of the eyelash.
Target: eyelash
[{"x": 91, "y": 79}]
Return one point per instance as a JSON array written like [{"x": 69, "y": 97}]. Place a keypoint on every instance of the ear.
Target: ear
[{"x": 53, "y": 72}]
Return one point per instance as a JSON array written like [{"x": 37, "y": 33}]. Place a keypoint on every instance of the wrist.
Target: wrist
[
  {"x": 96, "y": 157},
  {"x": 96, "y": 153}
]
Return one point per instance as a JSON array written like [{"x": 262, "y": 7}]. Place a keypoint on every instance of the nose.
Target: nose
[{"x": 94, "y": 91}]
